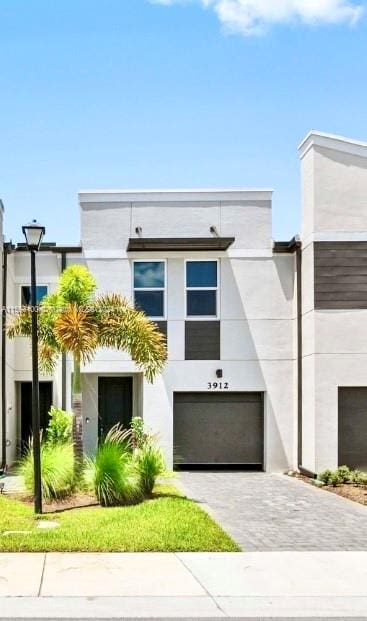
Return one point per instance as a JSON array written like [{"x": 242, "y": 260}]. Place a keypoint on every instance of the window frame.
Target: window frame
[
  {"x": 39, "y": 284},
  {"x": 216, "y": 289},
  {"x": 164, "y": 289}
]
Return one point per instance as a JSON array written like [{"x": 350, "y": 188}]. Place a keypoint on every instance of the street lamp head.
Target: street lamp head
[{"x": 33, "y": 233}]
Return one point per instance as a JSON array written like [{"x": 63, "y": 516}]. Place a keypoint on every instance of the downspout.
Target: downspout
[
  {"x": 7, "y": 249},
  {"x": 63, "y": 357},
  {"x": 295, "y": 245},
  {"x": 299, "y": 352}
]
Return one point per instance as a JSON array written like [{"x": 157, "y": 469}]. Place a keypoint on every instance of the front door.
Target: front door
[
  {"x": 115, "y": 403},
  {"x": 45, "y": 401}
]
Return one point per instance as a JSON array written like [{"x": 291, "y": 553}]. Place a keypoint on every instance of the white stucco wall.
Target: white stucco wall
[
  {"x": 257, "y": 308},
  {"x": 334, "y": 182}
]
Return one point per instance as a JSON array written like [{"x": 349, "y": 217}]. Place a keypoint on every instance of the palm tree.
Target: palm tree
[{"x": 74, "y": 320}]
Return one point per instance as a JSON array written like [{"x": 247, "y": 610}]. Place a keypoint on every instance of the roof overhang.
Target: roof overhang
[{"x": 140, "y": 244}]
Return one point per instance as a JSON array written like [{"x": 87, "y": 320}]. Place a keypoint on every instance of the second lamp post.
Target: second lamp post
[{"x": 34, "y": 233}]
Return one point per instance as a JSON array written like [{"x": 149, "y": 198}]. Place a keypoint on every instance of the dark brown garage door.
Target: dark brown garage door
[
  {"x": 218, "y": 428},
  {"x": 353, "y": 427}
]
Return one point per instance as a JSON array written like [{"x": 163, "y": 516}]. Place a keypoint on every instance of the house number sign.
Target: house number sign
[{"x": 218, "y": 386}]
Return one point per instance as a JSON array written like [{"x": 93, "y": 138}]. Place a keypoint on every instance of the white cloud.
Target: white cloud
[{"x": 255, "y": 16}]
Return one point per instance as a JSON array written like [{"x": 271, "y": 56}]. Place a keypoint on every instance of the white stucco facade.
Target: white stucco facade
[
  {"x": 258, "y": 306},
  {"x": 257, "y": 323},
  {"x": 334, "y": 195}
]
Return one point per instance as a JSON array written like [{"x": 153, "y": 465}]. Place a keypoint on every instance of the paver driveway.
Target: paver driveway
[{"x": 274, "y": 512}]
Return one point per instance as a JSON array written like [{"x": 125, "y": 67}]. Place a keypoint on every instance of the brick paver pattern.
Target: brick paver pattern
[{"x": 275, "y": 512}]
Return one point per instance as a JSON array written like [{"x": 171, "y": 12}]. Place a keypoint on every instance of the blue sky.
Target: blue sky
[{"x": 136, "y": 94}]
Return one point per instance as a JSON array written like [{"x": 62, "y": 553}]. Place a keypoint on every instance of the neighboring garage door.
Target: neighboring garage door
[
  {"x": 353, "y": 427},
  {"x": 218, "y": 428}
]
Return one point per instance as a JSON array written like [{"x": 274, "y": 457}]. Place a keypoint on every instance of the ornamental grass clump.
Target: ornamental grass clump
[
  {"x": 57, "y": 470},
  {"x": 112, "y": 472},
  {"x": 150, "y": 464}
]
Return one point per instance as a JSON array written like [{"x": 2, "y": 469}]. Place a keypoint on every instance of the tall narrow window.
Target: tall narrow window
[
  {"x": 149, "y": 287},
  {"x": 41, "y": 291},
  {"x": 201, "y": 288}
]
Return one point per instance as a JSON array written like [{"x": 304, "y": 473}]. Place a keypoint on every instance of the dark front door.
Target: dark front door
[
  {"x": 45, "y": 390},
  {"x": 115, "y": 402}
]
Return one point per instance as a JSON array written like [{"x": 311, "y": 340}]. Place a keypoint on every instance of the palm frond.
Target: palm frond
[
  {"x": 123, "y": 327},
  {"x": 76, "y": 331},
  {"x": 21, "y": 325},
  {"x": 47, "y": 358}
]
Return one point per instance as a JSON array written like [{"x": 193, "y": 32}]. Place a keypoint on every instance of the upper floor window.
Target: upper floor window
[
  {"x": 149, "y": 287},
  {"x": 201, "y": 288},
  {"x": 41, "y": 291}
]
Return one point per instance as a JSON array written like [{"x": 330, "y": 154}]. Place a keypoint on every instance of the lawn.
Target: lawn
[{"x": 168, "y": 522}]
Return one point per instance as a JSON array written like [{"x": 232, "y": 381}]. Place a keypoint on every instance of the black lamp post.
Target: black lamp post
[{"x": 34, "y": 233}]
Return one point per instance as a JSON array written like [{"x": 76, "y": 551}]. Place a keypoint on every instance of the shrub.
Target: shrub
[
  {"x": 330, "y": 477},
  {"x": 358, "y": 478},
  {"x": 335, "y": 479},
  {"x": 57, "y": 470},
  {"x": 325, "y": 476},
  {"x": 59, "y": 430},
  {"x": 112, "y": 472},
  {"x": 138, "y": 436},
  {"x": 150, "y": 465},
  {"x": 344, "y": 473}
]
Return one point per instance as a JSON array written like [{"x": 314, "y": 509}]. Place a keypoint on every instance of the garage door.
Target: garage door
[
  {"x": 218, "y": 428},
  {"x": 353, "y": 427}
]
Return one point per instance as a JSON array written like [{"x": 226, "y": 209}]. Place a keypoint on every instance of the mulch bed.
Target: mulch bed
[
  {"x": 358, "y": 493},
  {"x": 77, "y": 501}
]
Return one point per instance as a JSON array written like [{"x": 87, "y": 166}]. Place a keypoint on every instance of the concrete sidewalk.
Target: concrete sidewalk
[{"x": 184, "y": 585}]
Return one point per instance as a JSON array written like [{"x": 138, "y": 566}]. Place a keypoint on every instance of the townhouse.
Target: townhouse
[{"x": 267, "y": 340}]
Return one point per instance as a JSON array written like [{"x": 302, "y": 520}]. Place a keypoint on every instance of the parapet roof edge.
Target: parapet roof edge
[
  {"x": 332, "y": 141},
  {"x": 93, "y": 196}
]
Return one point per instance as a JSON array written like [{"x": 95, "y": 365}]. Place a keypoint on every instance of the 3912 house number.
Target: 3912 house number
[{"x": 218, "y": 386}]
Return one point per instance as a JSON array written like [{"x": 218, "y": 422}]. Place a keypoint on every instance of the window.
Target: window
[
  {"x": 149, "y": 287},
  {"x": 201, "y": 288},
  {"x": 41, "y": 291}
]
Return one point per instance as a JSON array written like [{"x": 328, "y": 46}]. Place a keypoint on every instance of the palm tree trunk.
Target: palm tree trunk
[{"x": 77, "y": 403}]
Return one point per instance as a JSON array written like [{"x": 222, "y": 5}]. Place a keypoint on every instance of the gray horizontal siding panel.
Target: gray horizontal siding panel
[
  {"x": 338, "y": 261},
  {"x": 202, "y": 340},
  {"x": 341, "y": 245},
  {"x": 331, "y": 271},
  {"x": 340, "y": 271},
  {"x": 347, "y": 279},
  {"x": 341, "y": 287},
  {"x": 340, "y": 305},
  {"x": 346, "y": 296}
]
